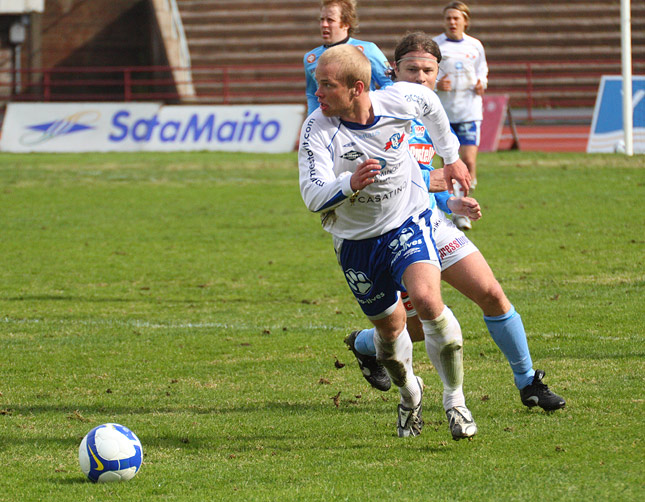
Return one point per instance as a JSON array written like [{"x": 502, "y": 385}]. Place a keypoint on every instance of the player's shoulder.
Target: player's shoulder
[
  {"x": 364, "y": 46},
  {"x": 440, "y": 38},
  {"x": 312, "y": 56},
  {"x": 402, "y": 98},
  {"x": 473, "y": 41},
  {"x": 317, "y": 123},
  {"x": 408, "y": 89}
]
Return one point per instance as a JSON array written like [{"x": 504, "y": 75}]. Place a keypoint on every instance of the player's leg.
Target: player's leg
[
  {"x": 444, "y": 344},
  {"x": 473, "y": 277},
  {"x": 394, "y": 352},
  {"x": 365, "y": 266},
  {"x": 469, "y": 134},
  {"x": 361, "y": 343},
  {"x": 468, "y": 153}
]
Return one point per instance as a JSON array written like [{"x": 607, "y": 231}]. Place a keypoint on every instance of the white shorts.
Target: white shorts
[{"x": 452, "y": 244}]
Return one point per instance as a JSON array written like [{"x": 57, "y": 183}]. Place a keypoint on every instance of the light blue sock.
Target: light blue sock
[
  {"x": 508, "y": 333},
  {"x": 365, "y": 342}
]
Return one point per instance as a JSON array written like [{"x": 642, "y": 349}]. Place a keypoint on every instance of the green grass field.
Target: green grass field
[{"x": 194, "y": 299}]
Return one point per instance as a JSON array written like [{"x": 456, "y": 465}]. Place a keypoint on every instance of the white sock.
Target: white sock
[
  {"x": 396, "y": 357},
  {"x": 444, "y": 345}
]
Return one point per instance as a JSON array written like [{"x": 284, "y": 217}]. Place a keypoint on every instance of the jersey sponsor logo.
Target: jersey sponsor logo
[
  {"x": 371, "y": 300},
  {"x": 381, "y": 197},
  {"x": 351, "y": 155},
  {"x": 401, "y": 239},
  {"x": 423, "y": 153},
  {"x": 360, "y": 48},
  {"x": 402, "y": 245},
  {"x": 311, "y": 58},
  {"x": 453, "y": 246},
  {"x": 419, "y": 131},
  {"x": 395, "y": 141}
]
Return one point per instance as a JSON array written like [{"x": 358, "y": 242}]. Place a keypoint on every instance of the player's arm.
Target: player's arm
[
  {"x": 481, "y": 68},
  {"x": 436, "y": 182},
  {"x": 320, "y": 188},
  {"x": 445, "y": 142},
  {"x": 465, "y": 206},
  {"x": 310, "y": 88}
]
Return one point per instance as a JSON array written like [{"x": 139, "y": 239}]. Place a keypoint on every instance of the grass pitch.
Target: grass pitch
[{"x": 193, "y": 298}]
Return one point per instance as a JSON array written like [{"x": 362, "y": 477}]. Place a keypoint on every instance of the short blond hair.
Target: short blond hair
[{"x": 353, "y": 65}]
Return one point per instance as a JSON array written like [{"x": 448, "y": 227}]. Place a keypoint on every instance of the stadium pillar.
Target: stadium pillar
[{"x": 626, "y": 59}]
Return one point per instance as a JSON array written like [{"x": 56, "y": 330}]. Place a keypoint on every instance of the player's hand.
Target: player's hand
[
  {"x": 365, "y": 174},
  {"x": 465, "y": 206},
  {"x": 479, "y": 88},
  {"x": 444, "y": 84},
  {"x": 457, "y": 172},
  {"x": 437, "y": 181}
]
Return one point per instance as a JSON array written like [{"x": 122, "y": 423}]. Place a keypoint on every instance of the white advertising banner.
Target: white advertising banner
[{"x": 132, "y": 127}]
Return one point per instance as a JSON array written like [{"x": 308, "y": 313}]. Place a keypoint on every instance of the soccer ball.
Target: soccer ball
[{"x": 110, "y": 452}]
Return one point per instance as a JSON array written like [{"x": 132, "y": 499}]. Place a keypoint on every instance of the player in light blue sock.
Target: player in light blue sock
[
  {"x": 365, "y": 342},
  {"x": 462, "y": 265},
  {"x": 508, "y": 333},
  {"x": 506, "y": 330}
]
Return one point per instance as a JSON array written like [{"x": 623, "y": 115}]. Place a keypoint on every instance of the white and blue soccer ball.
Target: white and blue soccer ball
[{"x": 110, "y": 452}]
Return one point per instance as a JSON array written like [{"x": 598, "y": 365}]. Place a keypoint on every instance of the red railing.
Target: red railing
[{"x": 531, "y": 85}]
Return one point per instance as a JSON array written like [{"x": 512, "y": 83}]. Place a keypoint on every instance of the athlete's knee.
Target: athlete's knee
[
  {"x": 493, "y": 301},
  {"x": 443, "y": 331}
]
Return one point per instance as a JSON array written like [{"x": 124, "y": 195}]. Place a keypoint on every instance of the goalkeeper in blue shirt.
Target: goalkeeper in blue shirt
[{"x": 338, "y": 22}]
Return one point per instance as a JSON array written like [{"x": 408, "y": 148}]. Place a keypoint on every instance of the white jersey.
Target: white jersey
[
  {"x": 331, "y": 149},
  {"x": 464, "y": 63}
]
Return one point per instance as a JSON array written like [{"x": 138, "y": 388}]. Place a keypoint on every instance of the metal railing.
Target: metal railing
[{"x": 531, "y": 86}]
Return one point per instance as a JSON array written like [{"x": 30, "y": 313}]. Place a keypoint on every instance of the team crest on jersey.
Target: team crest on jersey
[
  {"x": 351, "y": 155},
  {"x": 311, "y": 58},
  {"x": 395, "y": 141}
]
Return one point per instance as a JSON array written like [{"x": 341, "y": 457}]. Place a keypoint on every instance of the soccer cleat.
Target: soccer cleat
[
  {"x": 410, "y": 422},
  {"x": 373, "y": 371},
  {"x": 462, "y": 425},
  {"x": 462, "y": 222},
  {"x": 538, "y": 394}
]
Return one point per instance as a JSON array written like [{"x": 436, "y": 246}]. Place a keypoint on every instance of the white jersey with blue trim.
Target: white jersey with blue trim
[
  {"x": 463, "y": 62},
  {"x": 331, "y": 149},
  {"x": 380, "y": 67}
]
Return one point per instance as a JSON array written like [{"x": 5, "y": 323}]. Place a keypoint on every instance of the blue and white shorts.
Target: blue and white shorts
[
  {"x": 469, "y": 133},
  {"x": 374, "y": 267},
  {"x": 452, "y": 245}
]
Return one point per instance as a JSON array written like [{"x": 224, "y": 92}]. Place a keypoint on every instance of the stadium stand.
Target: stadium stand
[{"x": 551, "y": 52}]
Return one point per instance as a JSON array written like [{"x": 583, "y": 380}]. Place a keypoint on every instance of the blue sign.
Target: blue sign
[{"x": 607, "y": 133}]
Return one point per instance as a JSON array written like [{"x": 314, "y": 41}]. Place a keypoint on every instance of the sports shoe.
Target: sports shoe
[
  {"x": 538, "y": 394},
  {"x": 373, "y": 371},
  {"x": 461, "y": 423},
  {"x": 462, "y": 222},
  {"x": 410, "y": 422}
]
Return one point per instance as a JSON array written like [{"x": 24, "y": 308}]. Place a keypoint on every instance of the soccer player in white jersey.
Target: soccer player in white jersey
[
  {"x": 416, "y": 59},
  {"x": 338, "y": 22},
  {"x": 356, "y": 170},
  {"x": 463, "y": 77}
]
